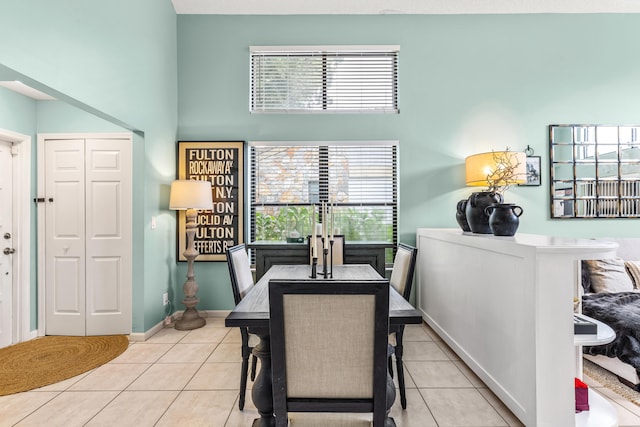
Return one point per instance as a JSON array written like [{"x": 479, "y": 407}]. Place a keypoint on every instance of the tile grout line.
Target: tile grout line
[
  {"x": 129, "y": 384},
  {"x": 186, "y": 383}
]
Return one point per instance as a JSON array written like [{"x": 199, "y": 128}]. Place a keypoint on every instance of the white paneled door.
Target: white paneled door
[
  {"x": 6, "y": 230},
  {"x": 88, "y": 227}
]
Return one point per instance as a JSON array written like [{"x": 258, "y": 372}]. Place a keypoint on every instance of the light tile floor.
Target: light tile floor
[{"x": 192, "y": 378}]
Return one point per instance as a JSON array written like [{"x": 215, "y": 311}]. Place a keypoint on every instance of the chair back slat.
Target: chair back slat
[
  {"x": 403, "y": 269},
  {"x": 239, "y": 271}
]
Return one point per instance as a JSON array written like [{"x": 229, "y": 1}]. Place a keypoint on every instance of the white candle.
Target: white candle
[
  {"x": 313, "y": 238},
  {"x": 321, "y": 216},
  {"x": 332, "y": 207},
  {"x": 321, "y": 225},
  {"x": 325, "y": 225}
]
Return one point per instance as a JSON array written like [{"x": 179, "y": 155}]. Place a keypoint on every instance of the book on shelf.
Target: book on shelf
[{"x": 582, "y": 326}]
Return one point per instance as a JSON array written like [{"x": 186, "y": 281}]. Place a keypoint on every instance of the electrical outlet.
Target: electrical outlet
[{"x": 165, "y": 298}]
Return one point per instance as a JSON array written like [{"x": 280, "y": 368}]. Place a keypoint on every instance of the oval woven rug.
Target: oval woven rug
[{"x": 51, "y": 359}]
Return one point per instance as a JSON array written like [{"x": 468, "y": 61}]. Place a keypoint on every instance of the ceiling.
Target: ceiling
[{"x": 376, "y": 7}]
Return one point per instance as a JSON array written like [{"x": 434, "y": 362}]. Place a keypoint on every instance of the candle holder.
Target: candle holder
[
  {"x": 314, "y": 267},
  {"x": 327, "y": 257},
  {"x": 325, "y": 252}
]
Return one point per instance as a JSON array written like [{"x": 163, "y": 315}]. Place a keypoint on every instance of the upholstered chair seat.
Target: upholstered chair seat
[{"x": 329, "y": 419}]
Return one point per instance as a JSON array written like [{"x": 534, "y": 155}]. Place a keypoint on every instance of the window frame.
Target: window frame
[{"x": 322, "y": 174}]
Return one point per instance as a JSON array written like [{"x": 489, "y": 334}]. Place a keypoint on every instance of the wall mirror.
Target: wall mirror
[{"x": 595, "y": 171}]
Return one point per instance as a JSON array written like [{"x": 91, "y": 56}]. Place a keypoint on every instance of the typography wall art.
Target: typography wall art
[{"x": 222, "y": 164}]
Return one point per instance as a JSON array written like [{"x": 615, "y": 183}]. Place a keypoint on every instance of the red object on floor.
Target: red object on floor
[{"x": 582, "y": 396}]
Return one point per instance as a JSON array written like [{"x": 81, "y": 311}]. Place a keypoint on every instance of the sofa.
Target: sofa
[{"x": 610, "y": 292}]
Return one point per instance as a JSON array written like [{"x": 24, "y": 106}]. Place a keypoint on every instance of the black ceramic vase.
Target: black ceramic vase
[
  {"x": 504, "y": 218},
  {"x": 461, "y": 215},
  {"x": 476, "y": 216}
]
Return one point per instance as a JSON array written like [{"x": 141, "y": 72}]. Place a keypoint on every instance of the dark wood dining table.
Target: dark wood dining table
[{"x": 253, "y": 312}]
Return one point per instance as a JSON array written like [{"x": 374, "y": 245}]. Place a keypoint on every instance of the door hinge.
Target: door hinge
[{"x": 15, "y": 150}]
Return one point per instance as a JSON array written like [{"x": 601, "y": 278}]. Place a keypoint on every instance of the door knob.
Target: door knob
[
  {"x": 8, "y": 251},
  {"x": 7, "y": 236}
]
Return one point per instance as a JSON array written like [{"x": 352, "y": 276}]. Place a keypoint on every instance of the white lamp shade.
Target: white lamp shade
[
  {"x": 188, "y": 194},
  {"x": 480, "y": 166}
]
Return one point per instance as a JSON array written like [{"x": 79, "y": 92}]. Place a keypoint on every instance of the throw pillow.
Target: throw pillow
[
  {"x": 609, "y": 275},
  {"x": 586, "y": 279},
  {"x": 633, "y": 269}
]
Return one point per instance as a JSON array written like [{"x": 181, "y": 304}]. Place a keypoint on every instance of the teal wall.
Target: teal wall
[
  {"x": 18, "y": 113},
  {"x": 61, "y": 117},
  {"x": 468, "y": 84},
  {"x": 116, "y": 59}
]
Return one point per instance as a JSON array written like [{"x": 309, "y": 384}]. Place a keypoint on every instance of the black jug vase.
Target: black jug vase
[
  {"x": 461, "y": 215},
  {"x": 477, "y": 218},
  {"x": 504, "y": 218}
]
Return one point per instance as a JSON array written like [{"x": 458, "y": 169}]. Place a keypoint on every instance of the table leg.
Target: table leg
[
  {"x": 262, "y": 391},
  {"x": 391, "y": 392},
  {"x": 391, "y": 397}
]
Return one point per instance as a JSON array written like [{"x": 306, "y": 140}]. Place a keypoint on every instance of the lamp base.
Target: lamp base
[{"x": 190, "y": 320}]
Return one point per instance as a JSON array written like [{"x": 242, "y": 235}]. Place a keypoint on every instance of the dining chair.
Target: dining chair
[
  {"x": 241, "y": 283},
  {"x": 329, "y": 349},
  {"x": 338, "y": 249},
  {"x": 404, "y": 265}
]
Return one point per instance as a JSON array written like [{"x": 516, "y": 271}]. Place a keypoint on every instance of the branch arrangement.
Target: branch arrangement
[{"x": 500, "y": 179}]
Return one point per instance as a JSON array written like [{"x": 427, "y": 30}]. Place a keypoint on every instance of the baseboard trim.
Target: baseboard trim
[
  {"x": 217, "y": 313},
  {"x": 143, "y": 336}
]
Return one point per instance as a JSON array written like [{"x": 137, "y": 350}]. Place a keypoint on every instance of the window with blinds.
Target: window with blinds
[
  {"x": 359, "y": 179},
  {"x": 331, "y": 79}
]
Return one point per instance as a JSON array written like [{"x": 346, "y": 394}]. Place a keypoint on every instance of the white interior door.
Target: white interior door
[
  {"x": 88, "y": 227},
  {"x": 6, "y": 241},
  {"x": 108, "y": 236},
  {"x": 65, "y": 237}
]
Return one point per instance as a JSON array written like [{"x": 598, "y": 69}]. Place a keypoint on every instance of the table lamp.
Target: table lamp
[
  {"x": 189, "y": 196},
  {"x": 496, "y": 170}
]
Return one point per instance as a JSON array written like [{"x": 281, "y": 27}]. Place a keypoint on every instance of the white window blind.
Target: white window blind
[
  {"x": 361, "y": 179},
  {"x": 331, "y": 79}
]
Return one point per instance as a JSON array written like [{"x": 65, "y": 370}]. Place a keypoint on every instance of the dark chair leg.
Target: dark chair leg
[
  {"x": 243, "y": 380},
  {"x": 400, "y": 368},
  {"x": 246, "y": 352},
  {"x": 254, "y": 361},
  {"x": 390, "y": 351}
]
